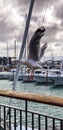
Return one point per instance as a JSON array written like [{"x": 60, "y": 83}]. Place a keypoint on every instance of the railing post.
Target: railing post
[
  {"x": 61, "y": 124},
  {"x": 9, "y": 118},
  {"x": 26, "y": 115},
  {"x": 0, "y": 115},
  {"x": 20, "y": 120},
  {"x": 4, "y": 118}
]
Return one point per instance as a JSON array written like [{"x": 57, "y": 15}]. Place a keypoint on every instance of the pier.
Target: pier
[{"x": 27, "y": 119}]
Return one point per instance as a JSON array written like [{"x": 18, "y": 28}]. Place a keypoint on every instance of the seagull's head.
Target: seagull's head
[{"x": 40, "y": 32}]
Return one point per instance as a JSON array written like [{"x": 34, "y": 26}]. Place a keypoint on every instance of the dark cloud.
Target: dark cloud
[
  {"x": 6, "y": 32},
  {"x": 50, "y": 33},
  {"x": 51, "y": 30},
  {"x": 59, "y": 11},
  {"x": 57, "y": 44},
  {"x": 23, "y": 5}
]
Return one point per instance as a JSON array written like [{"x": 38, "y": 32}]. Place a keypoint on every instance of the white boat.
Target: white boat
[
  {"x": 28, "y": 77},
  {"x": 41, "y": 76},
  {"x": 13, "y": 72},
  {"x": 53, "y": 76},
  {"x": 5, "y": 75},
  {"x": 56, "y": 75},
  {"x": 11, "y": 77}
]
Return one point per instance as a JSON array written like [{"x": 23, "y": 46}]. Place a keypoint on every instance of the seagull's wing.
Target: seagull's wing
[
  {"x": 34, "y": 50},
  {"x": 34, "y": 46},
  {"x": 43, "y": 50}
]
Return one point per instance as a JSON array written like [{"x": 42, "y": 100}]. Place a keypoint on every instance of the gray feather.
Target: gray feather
[{"x": 35, "y": 52}]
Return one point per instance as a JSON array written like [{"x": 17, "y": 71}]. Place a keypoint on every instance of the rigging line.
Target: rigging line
[{"x": 45, "y": 12}]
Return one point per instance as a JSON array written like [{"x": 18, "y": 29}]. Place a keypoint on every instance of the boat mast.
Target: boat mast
[
  {"x": 52, "y": 55},
  {"x": 23, "y": 42},
  {"x": 25, "y": 49},
  {"x": 15, "y": 49},
  {"x": 7, "y": 57}
]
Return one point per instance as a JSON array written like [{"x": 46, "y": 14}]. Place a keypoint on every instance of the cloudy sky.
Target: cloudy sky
[{"x": 46, "y": 13}]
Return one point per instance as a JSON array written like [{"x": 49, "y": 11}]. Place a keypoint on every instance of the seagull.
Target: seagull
[{"x": 35, "y": 50}]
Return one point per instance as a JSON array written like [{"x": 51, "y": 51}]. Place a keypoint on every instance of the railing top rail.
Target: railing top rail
[{"x": 50, "y": 100}]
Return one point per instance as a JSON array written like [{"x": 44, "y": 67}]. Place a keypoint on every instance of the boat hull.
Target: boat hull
[{"x": 42, "y": 79}]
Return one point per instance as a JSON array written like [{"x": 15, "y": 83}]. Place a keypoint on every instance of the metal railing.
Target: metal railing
[{"x": 22, "y": 118}]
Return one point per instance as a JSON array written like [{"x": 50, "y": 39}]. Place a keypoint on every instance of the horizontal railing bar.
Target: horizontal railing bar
[
  {"x": 50, "y": 100},
  {"x": 34, "y": 112},
  {"x": 8, "y": 106},
  {"x": 42, "y": 114}
]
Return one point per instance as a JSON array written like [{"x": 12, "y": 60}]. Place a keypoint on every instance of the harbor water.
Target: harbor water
[{"x": 33, "y": 87}]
